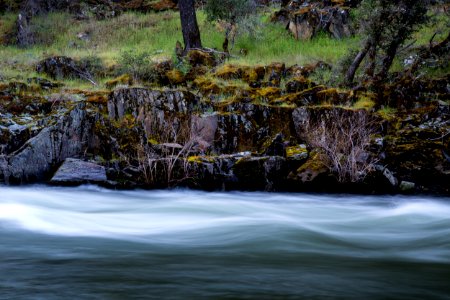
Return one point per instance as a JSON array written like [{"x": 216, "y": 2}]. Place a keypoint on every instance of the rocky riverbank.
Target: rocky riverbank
[{"x": 230, "y": 127}]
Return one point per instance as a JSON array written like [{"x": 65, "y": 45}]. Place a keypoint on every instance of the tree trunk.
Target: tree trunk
[
  {"x": 388, "y": 59},
  {"x": 189, "y": 26},
  {"x": 350, "y": 75},
  {"x": 370, "y": 70}
]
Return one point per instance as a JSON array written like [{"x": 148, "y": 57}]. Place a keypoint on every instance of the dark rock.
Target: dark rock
[
  {"x": 313, "y": 170},
  {"x": 45, "y": 84},
  {"x": 277, "y": 146},
  {"x": 76, "y": 171},
  {"x": 13, "y": 137},
  {"x": 406, "y": 186},
  {"x": 60, "y": 67},
  {"x": 259, "y": 173},
  {"x": 298, "y": 84}
]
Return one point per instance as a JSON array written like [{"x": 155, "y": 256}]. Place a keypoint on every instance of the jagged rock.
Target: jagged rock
[
  {"x": 140, "y": 101},
  {"x": 201, "y": 58},
  {"x": 71, "y": 136},
  {"x": 277, "y": 146},
  {"x": 298, "y": 84},
  {"x": 13, "y": 137},
  {"x": 259, "y": 173},
  {"x": 389, "y": 176},
  {"x": 75, "y": 171}
]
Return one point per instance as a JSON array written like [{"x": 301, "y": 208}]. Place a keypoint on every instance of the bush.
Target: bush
[
  {"x": 344, "y": 136},
  {"x": 94, "y": 65},
  {"x": 234, "y": 16},
  {"x": 137, "y": 64},
  {"x": 9, "y": 5}
]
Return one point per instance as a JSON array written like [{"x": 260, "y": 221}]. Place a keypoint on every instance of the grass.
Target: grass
[{"x": 157, "y": 34}]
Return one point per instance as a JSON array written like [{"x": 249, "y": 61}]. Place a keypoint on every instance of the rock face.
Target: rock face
[
  {"x": 71, "y": 136},
  {"x": 259, "y": 139},
  {"x": 76, "y": 171}
]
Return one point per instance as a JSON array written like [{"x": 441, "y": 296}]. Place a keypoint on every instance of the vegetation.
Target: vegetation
[
  {"x": 281, "y": 103},
  {"x": 386, "y": 25}
]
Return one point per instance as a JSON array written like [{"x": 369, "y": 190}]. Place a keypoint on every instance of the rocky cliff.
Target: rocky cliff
[{"x": 216, "y": 134}]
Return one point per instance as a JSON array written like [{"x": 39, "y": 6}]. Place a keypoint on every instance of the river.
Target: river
[{"x": 93, "y": 243}]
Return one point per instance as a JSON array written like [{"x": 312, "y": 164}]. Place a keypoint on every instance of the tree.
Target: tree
[
  {"x": 189, "y": 26},
  {"x": 387, "y": 24}
]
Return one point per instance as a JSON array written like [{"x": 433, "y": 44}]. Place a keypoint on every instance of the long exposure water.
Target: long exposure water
[{"x": 92, "y": 243}]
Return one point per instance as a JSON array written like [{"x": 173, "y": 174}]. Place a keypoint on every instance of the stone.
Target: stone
[
  {"x": 70, "y": 136},
  {"x": 407, "y": 186},
  {"x": 387, "y": 174},
  {"x": 298, "y": 152},
  {"x": 313, "y": 168},
  {"x": 60, "y": 67},
  {"x": 76, "y": 171},
  {"x": 277, "y": 147}
]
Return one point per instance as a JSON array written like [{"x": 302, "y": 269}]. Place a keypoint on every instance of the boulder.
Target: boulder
[
  {"x": 60, "y": 67},
  {"x": 75, "y": 171},
  {"x": 315, "y": 168},
  {"x": 70, "y": 136},
  {"x": 305, "y": 19}
]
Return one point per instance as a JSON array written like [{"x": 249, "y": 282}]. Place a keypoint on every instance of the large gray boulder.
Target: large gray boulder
[{"x": 75, "y": 171}]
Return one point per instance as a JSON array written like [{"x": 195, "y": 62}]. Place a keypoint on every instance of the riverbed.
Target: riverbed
[{"x": 94, "y": 243}]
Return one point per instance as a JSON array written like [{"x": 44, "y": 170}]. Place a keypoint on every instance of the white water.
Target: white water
[{"x": 339, "y": 234}]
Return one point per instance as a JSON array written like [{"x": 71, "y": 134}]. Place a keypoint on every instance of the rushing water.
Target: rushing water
[{"x": 91, "y": 243}]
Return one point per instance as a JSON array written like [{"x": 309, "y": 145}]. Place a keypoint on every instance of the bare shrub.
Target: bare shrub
[
  {"x": 344, "y": 136},
  {"x": 165, "y": 163}
]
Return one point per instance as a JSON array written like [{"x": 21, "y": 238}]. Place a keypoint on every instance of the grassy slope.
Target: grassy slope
[{"x": 157, "y": 34}]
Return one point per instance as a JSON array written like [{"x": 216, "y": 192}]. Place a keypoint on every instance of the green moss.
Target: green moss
[
  {"x": 228, "y": 72},
  {"x": 200, "y": 159},
  {"x": 295, "y": 152},
  {"x": 125, "y": 79}
]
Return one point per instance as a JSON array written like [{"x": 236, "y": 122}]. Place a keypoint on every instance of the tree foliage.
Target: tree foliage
[
  {"x": 231, "y": 11},
  {"x": 386, "y": 24}
]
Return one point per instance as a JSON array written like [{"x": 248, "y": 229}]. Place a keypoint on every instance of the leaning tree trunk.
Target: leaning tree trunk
[
  {"x": 388, "y": 59},
  {"x": 350, "y": 75},
  {"x": 189, "y": 26}
]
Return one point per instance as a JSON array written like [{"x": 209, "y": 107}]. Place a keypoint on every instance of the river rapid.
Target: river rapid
[{"x": 93, "y": 243}]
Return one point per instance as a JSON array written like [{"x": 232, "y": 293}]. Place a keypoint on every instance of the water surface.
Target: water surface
[{"x": 92, "y": 243}]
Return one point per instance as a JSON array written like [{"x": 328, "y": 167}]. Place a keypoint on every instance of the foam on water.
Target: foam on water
[
  {"x": 412, "y": 227},
  {"x": 92, "y": 243}
]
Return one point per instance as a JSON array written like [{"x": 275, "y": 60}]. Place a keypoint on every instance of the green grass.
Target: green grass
[{"x": 157, "y": 33}]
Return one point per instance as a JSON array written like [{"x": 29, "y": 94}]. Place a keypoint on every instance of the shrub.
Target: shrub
[
  {"x": 137, "y": 64},
  {"x": 234, "y": 17},
  {"x": 344, "y": 136}
]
